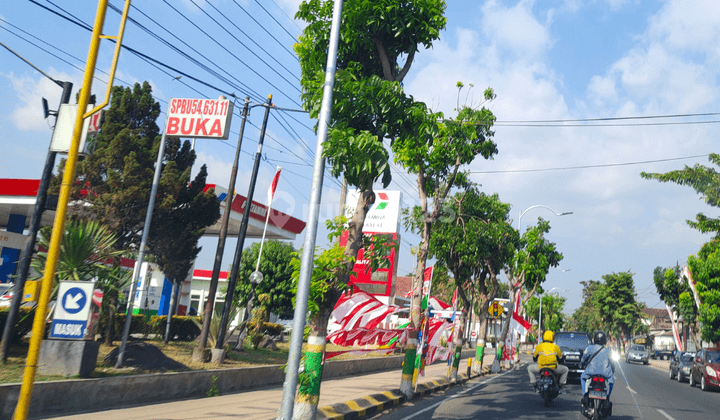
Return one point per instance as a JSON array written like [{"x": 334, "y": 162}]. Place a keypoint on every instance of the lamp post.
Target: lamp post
[
  {"x": 565, "y": 213},
  {"x": 540, "y": 316}
]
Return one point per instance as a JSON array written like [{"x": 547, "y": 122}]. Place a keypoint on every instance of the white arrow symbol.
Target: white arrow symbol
[{"x": 71, "y": 302}]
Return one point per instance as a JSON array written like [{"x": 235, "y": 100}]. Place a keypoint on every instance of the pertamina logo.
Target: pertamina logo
[{"x": 385, "y": 200}]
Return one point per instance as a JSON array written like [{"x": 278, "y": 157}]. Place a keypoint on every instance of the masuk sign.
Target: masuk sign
[
  {"x": 199, "y": 118},
  {"x": 74, "y": 315}
]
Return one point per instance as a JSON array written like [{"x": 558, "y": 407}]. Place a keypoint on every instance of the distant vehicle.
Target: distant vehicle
[
  {"x": 680, "y": 366},
  {"x": 573, "y": 345},
  {"x": 662, "y": 354},
  {"x": 706, "y": 368},
  {"x": 6, "y": 294},
  {"x": 637, "y": 353}
]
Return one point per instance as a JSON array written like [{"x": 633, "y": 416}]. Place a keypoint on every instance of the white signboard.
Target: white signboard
[
  {"x": 13, "y": 240},
  {"x": 383, "y": 216},
  {"x": 199, "y": 118},
  {"x": 72, "y": 309},
  {"x": 65, "y": 125}
]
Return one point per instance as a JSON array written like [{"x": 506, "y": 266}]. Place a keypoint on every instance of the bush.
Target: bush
[
  {"x": 272, "y": 329},
  {"x": 23, "y": 324},
  {"x": 181, "y": 328},
  {"x": 138, "y": 325}
]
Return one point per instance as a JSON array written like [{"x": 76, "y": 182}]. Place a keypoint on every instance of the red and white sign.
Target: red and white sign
[
  {"x": 199, "y": 118},
  {"x": 94, "y": 122}
]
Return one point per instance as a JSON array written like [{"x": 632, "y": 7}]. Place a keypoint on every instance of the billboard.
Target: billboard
[
  {"x": 383, "y": 216},
  {"x": 199, "y": 118}
]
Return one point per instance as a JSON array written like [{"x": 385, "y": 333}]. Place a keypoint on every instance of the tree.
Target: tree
[
  {"x": 587, "y": 317},
  {"x": 436, "y": 153},
  {"x": 179, "y": 223},
  {"x": 474, "y": 246},
  {"x": 85, "y": 249},
  {"x": 529, "y": 267},
  {"x": 706, "y": 182},
  {"x": 670, "y": 285},
  {"x": 377, "y": 44},
  {"x": 553, "y": 317},
  {"x": 276, "y": 265},
  {"x": 616, "y": 303},
  {"x": 705, "y": 270}
]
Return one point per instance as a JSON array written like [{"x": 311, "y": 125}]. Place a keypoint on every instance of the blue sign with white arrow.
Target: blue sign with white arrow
[{"x": 74, "y": 300}]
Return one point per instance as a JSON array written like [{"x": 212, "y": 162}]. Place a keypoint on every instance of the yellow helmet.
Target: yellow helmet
[{"x": 548, "y": 336}]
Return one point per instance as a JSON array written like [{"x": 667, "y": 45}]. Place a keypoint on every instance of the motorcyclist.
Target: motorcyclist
[
  {"x": 548, "y": 355},
  {"x": 599, "y": 365}
]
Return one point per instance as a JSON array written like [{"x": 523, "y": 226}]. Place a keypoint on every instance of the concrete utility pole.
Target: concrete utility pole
[
  {"x": 202, "y": 342},
  {"x": 39, "y": 209},
  {"x": 232, "y": 277},
  {"x": 308, "y": 255}
]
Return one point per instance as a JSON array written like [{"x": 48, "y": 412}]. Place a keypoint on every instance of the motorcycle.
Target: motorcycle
[
  {"x": 547, "y": 386},
  {"x": 598, "y": 402}
]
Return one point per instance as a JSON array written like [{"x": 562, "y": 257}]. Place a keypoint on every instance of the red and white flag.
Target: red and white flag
[{"x": 273, "y": 185}]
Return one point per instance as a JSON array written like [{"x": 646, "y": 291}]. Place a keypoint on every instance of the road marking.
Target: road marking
[
  {"x": 453, "y": 396},
  {"x": 632, "y": 394},
  {"x": 667, "y": 416},
  {"x": 631, "y": 390}
]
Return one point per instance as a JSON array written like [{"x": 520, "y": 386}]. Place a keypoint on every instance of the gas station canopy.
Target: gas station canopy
[{"x": 17, "y": 196}]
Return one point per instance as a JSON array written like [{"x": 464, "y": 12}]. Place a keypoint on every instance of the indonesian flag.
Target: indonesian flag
[
  {"x": 273, "y": 185},
  {"x": 361, "y": 311},
  {"x": 437, "y": 304}
]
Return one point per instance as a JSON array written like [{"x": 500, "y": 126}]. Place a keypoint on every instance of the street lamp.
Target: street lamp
[
  {"x": 540, "y": 316},
  {"x": 565, "y": 213}
]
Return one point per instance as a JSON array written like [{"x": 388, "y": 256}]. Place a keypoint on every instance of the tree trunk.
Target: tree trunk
[
  {"x": 457, "y": 344},
  {"x": 480, "y": 347},
  {"x": 506, "y": 327},
  {"x": 308, "y": 396},
  {"x": 171, "y": 307},
  {"x": 110, "y": 326}
]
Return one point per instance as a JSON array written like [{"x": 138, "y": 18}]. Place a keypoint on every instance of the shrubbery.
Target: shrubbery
[
  {"x": 23, "y": 324},
  {"x": 181, "y": 328}
]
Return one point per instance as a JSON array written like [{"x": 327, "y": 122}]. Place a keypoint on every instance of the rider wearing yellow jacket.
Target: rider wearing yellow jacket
[{"x": 548, "y": 355}]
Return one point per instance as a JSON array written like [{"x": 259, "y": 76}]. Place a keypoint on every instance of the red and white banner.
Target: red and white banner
[
  {"x": 437, "y": 304},
  {"x": 361, "y": 310},
  {"x": 199, "y": 118},
  {"x": 273, "y": 186}
]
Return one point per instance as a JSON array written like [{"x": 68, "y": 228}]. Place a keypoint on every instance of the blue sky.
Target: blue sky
[{"x": 546, "y": 60}]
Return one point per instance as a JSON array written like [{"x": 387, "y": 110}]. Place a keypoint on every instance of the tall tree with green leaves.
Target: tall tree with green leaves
[
  {"x": 671, "y": 286},
  {"x": 474, "y": 245},
  {"x": 277, "y": 267},
  {"x": 377, "y": 45},
  {"x": 553, "y": 317},
  {"x": 528, "y": 269},
  {"x": 178, "y": 224},
  {"x": 436, "y": 154},
  {"x": 620, "y": 312},
  {"x": 706, "y": 182},
  {"x": 587, "y": 317}
]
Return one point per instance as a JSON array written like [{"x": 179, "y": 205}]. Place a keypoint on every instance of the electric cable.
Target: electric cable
[
  {"x": 279, "y": 24},
  {"x": 268, "y": 32}
]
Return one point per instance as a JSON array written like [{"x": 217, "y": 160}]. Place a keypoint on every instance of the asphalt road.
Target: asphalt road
[{"x": 641, "y": 392}]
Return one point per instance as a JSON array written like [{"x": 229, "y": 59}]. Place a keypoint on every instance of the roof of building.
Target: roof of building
[{"x": 655, "y": 312}]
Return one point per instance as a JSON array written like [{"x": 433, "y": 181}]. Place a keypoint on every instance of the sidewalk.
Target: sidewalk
[{"x": 264, "y": 404}]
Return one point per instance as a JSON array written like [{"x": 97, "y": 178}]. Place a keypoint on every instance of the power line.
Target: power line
[
  {"x": 500, "y": 124},
  {"x": 642, "y": 117},
  {"x": 607, "y": 165},
  {"x": 279, "y": 24},
  {"x": 268, "y": 32}
]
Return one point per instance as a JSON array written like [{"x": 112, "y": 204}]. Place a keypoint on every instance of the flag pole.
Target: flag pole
[{"x": 267, "y": 218}]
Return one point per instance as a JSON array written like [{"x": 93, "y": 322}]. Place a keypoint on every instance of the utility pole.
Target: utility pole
[
  {"x": 308, "y": 256},
  {"x": 232, "y": 277},
  {"x": 39, "y": 209},
  {"x": 222, "y": 236}
]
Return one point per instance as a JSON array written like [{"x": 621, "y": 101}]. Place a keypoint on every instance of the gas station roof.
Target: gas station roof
[{"x": 17, "y": 196}]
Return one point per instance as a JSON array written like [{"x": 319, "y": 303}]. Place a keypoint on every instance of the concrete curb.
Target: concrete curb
[{"x": 365, "y": 407}]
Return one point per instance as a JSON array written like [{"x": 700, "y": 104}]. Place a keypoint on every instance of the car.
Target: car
[
  {"x": 573, "y": 345},
  {"x": 662, "y": 354},
  {"x": 6, "y": 294},
  {"x": 680, "y": 365},
  {"x": 637, "y": 353},
  {"x": 706, "y": 368}
]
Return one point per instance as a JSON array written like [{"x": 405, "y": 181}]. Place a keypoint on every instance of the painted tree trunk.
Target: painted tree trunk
[
  {"x": 306, "y": 403},
  {"x": 480, "y": 349},
  {"x": 506, "y": 327},
  {"x": 408, "y": 368},
  {"x": 457, "y": 344}
]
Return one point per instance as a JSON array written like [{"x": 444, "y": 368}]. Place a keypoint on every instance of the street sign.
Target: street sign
[
  {"x": 495, "y": 309},
  {"x": 199, "y": 118},
  {"x": 72, "y": 309}
]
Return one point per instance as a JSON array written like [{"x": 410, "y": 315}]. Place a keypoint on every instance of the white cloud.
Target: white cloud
[{"x": 516, "y": 28}]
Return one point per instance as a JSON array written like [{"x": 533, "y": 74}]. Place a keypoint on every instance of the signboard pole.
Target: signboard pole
[{"x": 141, "y": 253}]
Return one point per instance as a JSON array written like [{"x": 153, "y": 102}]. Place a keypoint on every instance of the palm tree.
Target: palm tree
[{"x": 86, "y": 254}]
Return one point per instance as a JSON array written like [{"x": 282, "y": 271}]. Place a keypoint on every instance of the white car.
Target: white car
[{"x": 6, "y": 294}]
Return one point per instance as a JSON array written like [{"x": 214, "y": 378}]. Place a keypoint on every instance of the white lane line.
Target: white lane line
[
  {"x": 667, "y": 416},
  {"x": 453, "y": 396},
  {"x": 631, "y": 390},
  {"x": 632, "y": 394}
]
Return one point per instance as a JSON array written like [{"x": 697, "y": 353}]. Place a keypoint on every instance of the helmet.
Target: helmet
[
  {"x": 600, "y": 338},
  {"x": 548, "y": 336}
]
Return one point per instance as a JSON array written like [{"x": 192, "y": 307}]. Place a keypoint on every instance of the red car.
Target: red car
[{"x": 706, "y": 369}]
